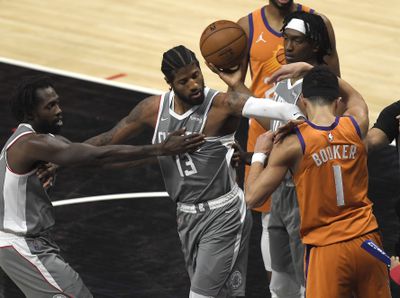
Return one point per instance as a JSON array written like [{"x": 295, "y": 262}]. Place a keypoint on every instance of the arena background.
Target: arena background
[{"x": 130, "y": 248}]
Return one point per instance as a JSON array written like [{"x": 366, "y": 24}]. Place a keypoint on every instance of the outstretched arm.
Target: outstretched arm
[
  {"x": 27, "y": 151},
  {"x": 262, "y": 182}
]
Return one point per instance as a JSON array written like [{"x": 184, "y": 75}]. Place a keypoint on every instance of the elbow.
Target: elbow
[{"x": 251, "y": 200}]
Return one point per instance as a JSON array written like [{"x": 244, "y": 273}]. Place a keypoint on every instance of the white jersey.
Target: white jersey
[{"x": 25, "y": 208}]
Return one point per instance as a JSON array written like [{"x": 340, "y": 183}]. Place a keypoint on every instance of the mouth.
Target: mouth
[
  {"x": 59, "y": 122},
  {"x": 196, "y": 95}
]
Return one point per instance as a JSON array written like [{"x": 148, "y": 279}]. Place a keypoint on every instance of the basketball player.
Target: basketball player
[
  {"x": 328, "y": 160},
  {"x": 28, "y": 254},
  {"x": 213, "y": 221},
  {"x": 305, "y": 39},
  {"x": 266, "y": 55}
]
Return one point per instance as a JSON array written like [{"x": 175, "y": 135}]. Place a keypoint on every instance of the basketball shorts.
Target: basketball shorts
[
  {"x": 345, "y": 269},
  {"x": 36, "y": 267},
  {"x": 286, "y": 247},
  {"x": 215, "y": 242}
]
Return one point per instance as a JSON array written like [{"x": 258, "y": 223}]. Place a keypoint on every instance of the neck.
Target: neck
[
  {"x": 277, "y": 13},
  {"x": 179, "y": 106},
  {"x": 321, "y": 115}
]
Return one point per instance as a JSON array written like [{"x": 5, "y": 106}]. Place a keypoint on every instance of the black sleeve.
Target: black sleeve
[{"x": 387, "y": 121}]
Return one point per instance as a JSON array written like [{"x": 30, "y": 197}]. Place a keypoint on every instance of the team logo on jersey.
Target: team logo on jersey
[
  {"x": 195, "y": 118},
  {"x": 330, "y": 137},
  {"x": 236, "y": 279},
  {"x": 261, "y": 38},
  {"x": 59, "y": 296}
]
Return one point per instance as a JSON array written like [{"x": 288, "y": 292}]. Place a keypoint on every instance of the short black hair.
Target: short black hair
[
  {"x": 316, "y": 32},
  {"x": 176, "y": 58},
  {"x": 321, "y": 84},
  {"x": 24, "y": 99}
]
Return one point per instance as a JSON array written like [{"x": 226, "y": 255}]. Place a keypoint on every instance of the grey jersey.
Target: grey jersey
[
  {"x": 202, "y": 175},
  {"x": 25, "y": 208},
  {"x": 286, "y": 92}
]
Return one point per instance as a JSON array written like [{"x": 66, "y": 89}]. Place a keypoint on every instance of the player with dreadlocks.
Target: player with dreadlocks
[
  {"x": 306, "y": 39},
  {"x": 213, "y": 221}
]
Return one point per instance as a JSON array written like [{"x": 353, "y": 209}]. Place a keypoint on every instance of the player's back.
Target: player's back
[{"x": 332, "y": 183}]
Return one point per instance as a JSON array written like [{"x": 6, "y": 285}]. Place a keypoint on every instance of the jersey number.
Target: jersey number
[
  {"x": 189, "y": 167},
  {"x": 337, "y": 174}
]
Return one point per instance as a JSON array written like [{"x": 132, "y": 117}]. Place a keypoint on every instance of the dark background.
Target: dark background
[{"x": 130, "y": 248}]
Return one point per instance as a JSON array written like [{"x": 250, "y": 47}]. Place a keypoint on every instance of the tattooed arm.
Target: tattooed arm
[{"x": 144, "y": 114}]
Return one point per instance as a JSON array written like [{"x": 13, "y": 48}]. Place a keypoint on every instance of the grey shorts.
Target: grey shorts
[
  {"x": 36, "y": 267},
  {"x": 286, "y": 248},
  {"x": 215, "y": 245}
]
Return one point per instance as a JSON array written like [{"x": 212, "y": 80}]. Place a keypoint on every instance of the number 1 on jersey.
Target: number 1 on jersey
[
  {"x": 337, "y": 173},
  {"x": 190, "y": 167}
]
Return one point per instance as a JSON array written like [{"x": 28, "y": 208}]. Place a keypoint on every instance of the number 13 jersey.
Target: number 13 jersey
[
  {"x": 332, "y": 183},
  {"x": 200, "y": 176}
]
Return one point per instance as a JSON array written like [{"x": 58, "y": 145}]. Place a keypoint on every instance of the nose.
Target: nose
[
  {"x": 58, "y": 110},
  {"x": 288, "y": 46},
  {"x": 193, "y": 85}
]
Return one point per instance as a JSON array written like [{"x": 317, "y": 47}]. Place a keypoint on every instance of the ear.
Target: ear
[{"x": 168, "y": 82}]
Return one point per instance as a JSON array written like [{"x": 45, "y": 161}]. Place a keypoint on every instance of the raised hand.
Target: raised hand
[
  {"x": 286, "y": 129},
  {"x": 292, "y": 70},
  {"x": 265, "y": 142},
  {"x": 231, "y": 77},
  {"x": 178, "y": 142}
]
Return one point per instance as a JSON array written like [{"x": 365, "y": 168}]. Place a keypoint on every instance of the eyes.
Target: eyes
[
  {"x": 296, "y": 40},
  {"x": 194, "y": 76},
  {"x": 51, "y": 105}
]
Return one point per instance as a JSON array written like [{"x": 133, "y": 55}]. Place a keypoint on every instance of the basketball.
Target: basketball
[{"x": 223, "y": 43}]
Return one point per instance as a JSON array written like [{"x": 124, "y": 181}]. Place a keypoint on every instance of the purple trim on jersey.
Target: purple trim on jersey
[
  {"x": 251, "y": 30},
  {"x": 301, "y": 139},
  {"x": 264, "y": 17},
  {"x": 326, "y": 128},
  {"x": 358, "y": 129},
  {"x": 307, "y": 261}
]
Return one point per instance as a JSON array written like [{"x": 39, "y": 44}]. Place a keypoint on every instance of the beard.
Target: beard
[
  {"x": 280, "y": 6},
  {"x": 52, "y": 128},
  {"x": 189, "y": 99}
]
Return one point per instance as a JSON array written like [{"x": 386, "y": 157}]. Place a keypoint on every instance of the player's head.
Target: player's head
[
  {"x": 320, "y": 86},
  {"x": 281, "y": 4},
  {"x": 182, "y": 72},
  {"x": 306, "y": 38},
  {"x": 36, "y": 102}
]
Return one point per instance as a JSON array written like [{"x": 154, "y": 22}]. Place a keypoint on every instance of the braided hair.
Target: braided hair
[
  {"x": 316, "y": 32},
  {"x": 25, "y": 99},
  {"x": 176, "y": 58}
]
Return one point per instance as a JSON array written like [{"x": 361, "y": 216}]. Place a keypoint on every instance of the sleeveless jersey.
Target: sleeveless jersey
[
  {"x": 266, "y": 55},
  {"x": 200, "y": 176},
  {"x": 285, "y": 91},
  {"x": 332, "y": 183},
  {"x": 25, "y": 207}
]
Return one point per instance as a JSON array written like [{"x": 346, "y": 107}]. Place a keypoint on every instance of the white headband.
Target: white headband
[{"x": 297, "y": 24}]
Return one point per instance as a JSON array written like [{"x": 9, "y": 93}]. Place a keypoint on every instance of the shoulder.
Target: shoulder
[
  {"x": 289, "y": 150},
  {"x": 244, "y": 23}
]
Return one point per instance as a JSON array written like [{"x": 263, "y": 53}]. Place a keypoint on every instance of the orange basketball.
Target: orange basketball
[{"x": 224, "y": 44}]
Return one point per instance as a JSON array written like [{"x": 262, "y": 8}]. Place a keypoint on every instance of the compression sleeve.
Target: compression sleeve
[{"x": 271, "y": 109}]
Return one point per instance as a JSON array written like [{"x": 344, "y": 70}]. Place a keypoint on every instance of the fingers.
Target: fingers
[{"x": 179, "y": 132}]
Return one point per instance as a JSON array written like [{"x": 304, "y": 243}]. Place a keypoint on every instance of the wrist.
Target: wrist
[{"x": 259, "y": 157}]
